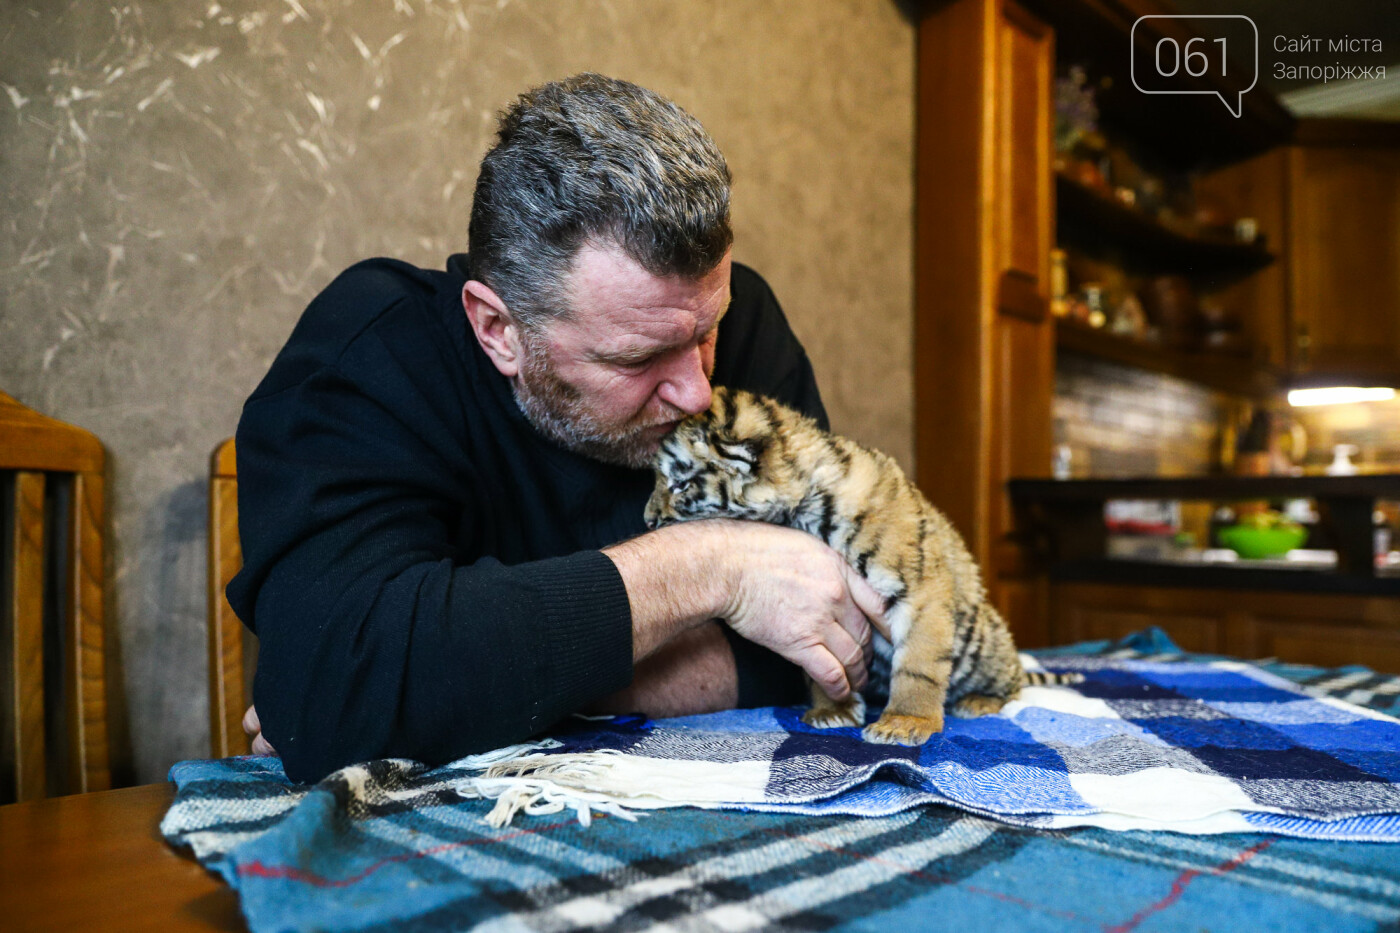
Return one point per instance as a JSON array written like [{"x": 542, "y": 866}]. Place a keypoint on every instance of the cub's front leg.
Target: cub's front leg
[
  {"x": 827, "y": 713},
  {"x": 922, "y": 667}
]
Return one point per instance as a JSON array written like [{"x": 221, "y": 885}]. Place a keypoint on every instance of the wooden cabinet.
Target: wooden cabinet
[
  {"x": 1327, "y": 630},
  {"x": 1085, "y": 612},
  {"x": 1344, "y": 260},
  {"x": 1257, "y": 188},
  {"x": 1329, "y": 309},
  {"x": 984, "y": 340}
]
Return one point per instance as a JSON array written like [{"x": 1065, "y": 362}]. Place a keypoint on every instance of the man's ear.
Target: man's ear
[{"x": 494, "y": 327}]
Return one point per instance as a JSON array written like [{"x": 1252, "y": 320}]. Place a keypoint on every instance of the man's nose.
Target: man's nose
[{"x": 685, "y": 385}]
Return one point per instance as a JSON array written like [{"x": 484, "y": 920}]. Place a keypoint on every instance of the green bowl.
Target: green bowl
[{"x": 1259, "y": 543}]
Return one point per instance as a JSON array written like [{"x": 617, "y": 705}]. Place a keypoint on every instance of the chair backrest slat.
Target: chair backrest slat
[
  {"x": 85, "y": 661},
  {"x": 24, "y": 627},
  {"x": 54, "y": 598},
  {"x": 228, "y": 695}
]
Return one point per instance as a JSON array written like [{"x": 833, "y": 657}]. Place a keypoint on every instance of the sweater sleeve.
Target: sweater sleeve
[
  {"x": 759, "y": 352},
  {"x": 377, "y": 640}
]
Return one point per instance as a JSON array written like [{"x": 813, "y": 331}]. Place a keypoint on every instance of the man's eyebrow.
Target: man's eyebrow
[
  {"x": 630, "y": 354},
  {"x": 634, "y": 352}
]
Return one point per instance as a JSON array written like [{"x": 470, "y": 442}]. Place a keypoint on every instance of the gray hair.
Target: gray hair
[{"x": 591, "y": 159}]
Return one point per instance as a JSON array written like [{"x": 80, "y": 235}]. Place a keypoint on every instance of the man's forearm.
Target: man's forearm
[
  {"x": 780, "y": 588},
  {"x": 695, "y": 672},
  {"x": 676, "y": 579}
]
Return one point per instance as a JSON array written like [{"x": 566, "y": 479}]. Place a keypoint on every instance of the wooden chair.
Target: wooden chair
[
  {"x": 232, "y": 648},
  {"x": 53, "y": 701}
]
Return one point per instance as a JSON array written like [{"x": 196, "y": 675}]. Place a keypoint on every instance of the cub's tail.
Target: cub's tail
[{"x": 1048, "y": 679}]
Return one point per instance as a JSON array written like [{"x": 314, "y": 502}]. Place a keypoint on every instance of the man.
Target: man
[{"x": 441, "y": 478}]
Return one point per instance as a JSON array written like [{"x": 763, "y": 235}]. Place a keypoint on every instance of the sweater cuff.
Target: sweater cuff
[{"x": 589, "y": 627}]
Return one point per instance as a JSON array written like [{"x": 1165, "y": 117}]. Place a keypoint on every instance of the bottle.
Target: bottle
[
  {"x": 1093, "y": 298},
  {"x": 1059, "y": 283},
  {"x": 1252, "y": 449},
  {"x": 1341, "y": 464}
]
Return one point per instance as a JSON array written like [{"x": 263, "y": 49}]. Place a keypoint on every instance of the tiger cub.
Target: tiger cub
[{"x": 749, "y": 457}]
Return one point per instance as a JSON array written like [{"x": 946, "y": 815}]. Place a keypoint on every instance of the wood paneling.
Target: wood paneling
[
  {"x": 1308, "y": 629},
  {"x": 1023, "y": 340},
  {"x": 1025, "y": 65},
  {"x": 1084, "y": 615},
  {"x": 1023, "y": 434},
  {"x": 984, "y": 342},
  {"x": 1024, "y": 599},
  {"x": 952, "y": 268}
]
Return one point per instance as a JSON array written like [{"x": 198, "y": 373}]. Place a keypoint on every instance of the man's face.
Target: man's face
[{"x": 634, "y": 358}]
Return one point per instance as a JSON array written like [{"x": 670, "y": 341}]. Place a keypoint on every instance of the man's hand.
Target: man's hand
[
  {"x": 251, "y": 726},
  {"x": 778, "y": 587},
  {"x": 799, "y": 598}
]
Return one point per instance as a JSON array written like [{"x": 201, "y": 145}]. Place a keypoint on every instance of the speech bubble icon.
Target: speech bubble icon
[{"x": 1173, "y": 60}]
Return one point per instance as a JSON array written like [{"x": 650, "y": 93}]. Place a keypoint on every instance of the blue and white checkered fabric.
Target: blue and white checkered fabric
[{"x": 1210, "y": 747}]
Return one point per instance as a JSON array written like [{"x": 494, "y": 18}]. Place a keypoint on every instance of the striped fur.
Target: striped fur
[{"x": 749, "y": 457}]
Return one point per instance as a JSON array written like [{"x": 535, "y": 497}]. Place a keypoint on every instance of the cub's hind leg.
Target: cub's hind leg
[
  {"x": 979, "y": 704},
  {"x": 923, "y": 664},
  {"x": 827, "y": 713},
  {"x": 993, "y": 675}
]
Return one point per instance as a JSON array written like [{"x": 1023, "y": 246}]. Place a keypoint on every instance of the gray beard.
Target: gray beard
[{"x": 553, "y": 408}]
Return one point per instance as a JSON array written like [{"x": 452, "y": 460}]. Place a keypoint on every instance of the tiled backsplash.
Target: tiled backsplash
[{"x": 1120, "y": 422}]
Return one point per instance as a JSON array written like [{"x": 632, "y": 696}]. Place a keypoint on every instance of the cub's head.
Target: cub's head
[{"x": 728, "y": 461}]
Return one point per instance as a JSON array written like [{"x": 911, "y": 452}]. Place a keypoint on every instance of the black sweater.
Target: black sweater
[{"x": 421, "y": 567}]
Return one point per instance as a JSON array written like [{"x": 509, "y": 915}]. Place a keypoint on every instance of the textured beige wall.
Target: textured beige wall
[{"x": 180, "y": 178}]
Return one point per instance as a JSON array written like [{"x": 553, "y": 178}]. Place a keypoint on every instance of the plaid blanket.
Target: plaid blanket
[
  {"x": 1209, "y": 747},
  {"x": 395, "y": 843}
]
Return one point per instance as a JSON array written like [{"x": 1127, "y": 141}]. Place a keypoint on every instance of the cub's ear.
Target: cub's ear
[{"x": 745, "y": 454}]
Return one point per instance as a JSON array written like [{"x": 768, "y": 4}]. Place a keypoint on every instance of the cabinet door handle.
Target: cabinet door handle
[{"x": 1303, "y": 342}]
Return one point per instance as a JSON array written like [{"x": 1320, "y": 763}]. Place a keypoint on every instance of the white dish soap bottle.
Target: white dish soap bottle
[{"x": 1341, "y": 464}]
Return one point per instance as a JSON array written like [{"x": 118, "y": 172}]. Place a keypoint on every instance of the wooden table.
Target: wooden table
[{"x": 97, "y": 861}]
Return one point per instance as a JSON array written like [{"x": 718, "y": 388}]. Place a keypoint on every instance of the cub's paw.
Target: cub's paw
[
  {"x": 970, "y": 707},
  {"x": 902, "y": 730},
  {"x": 850, "y": 712}
]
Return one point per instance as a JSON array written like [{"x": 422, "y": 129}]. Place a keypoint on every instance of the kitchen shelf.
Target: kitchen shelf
[
  {"x": 1229, "y": 374},
  {"x": 1097, "y": 223},
  {"x": 1224, "y": 488},
  {"x": 1186, "y": 131},
  {"x": 1153, "y": 573},
  {"x": 1064, "y": 519}
]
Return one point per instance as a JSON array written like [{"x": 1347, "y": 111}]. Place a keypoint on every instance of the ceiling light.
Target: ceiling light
[{"x": 1338, "y": 395}]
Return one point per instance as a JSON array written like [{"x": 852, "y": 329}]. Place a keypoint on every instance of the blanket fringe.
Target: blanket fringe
[
  {"x": 537, "y": 798},
  {"x": 536, "y": 785},
  {"x": 544, "y": 784},
  {"x": 603, "y": 781}
]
